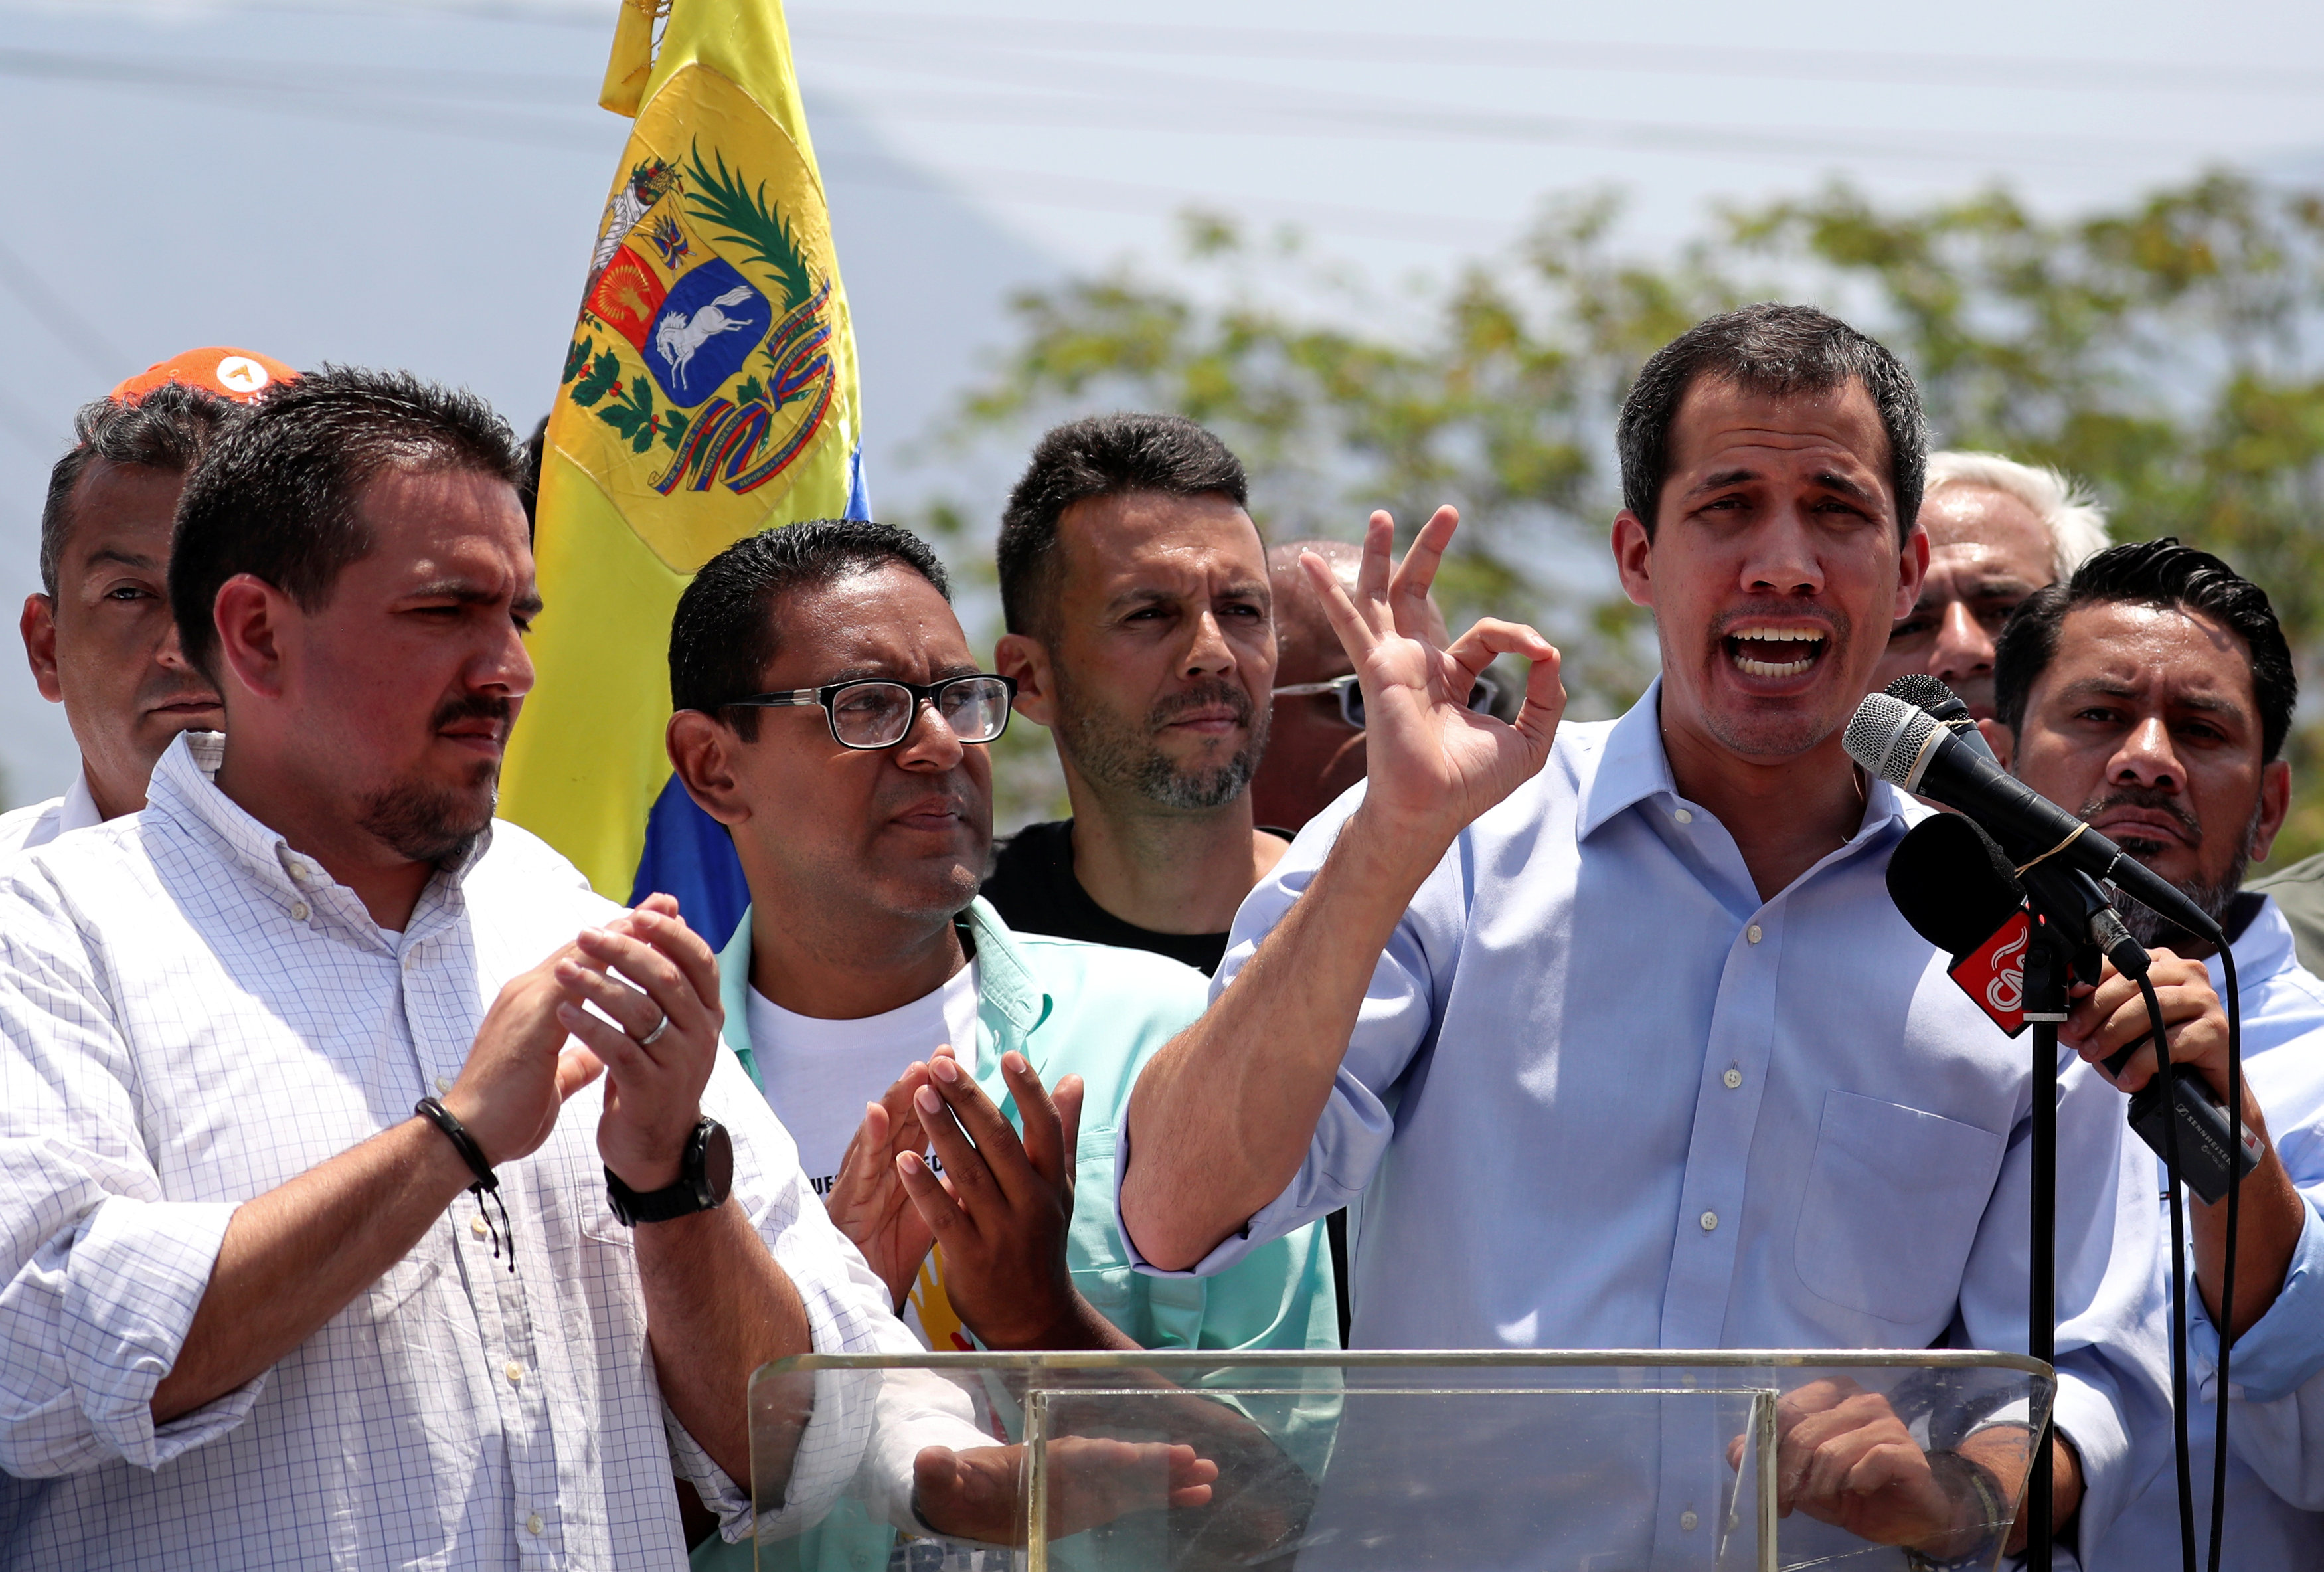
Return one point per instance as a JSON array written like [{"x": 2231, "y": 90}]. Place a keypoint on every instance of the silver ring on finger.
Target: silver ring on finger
[{"x": 650, "y": 1037}]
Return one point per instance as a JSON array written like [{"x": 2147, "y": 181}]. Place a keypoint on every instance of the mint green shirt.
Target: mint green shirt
[{"x": 1091, "y": 1010}]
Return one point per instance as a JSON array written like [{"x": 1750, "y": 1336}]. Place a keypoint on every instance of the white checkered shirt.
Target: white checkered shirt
[{"x": 191, "y": 1014}]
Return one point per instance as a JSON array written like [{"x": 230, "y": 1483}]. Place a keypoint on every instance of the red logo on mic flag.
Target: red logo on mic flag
[{"x": 1994, "y": 974}]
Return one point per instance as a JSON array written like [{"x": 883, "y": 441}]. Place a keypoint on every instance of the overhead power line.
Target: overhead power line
[
  {"x": 1831, "y": 67},
  {"x": 482, "y": 103}
]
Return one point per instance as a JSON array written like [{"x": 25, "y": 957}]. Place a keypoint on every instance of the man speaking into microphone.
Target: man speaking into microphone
[{"x": 1610, "y": 1034}]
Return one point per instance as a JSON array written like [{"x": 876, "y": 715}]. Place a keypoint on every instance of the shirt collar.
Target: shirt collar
[
  {"x": 1005, "y": 985},
  {"x": 79, "y": 809},
  {"x": 2263, "y": 950},
  {"x": 185, "y": 790},
  {"x": 1633, "y": 767}
]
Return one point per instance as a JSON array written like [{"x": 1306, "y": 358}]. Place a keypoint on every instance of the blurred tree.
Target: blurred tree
[{"x": 2165, "y": 355}]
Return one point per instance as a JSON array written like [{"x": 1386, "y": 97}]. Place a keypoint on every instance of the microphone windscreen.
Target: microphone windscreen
[
  {"x": 1885, "y": 735},
  {"x": 1922, "y": 691},
  {"x": 1953, "y": 883}
]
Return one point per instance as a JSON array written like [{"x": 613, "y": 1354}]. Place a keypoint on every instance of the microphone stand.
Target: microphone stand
[{"x": 2052, "y": 959}]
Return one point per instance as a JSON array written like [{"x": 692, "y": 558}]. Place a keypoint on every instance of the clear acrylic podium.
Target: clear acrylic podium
[{"x": 1500, "y": 1461}]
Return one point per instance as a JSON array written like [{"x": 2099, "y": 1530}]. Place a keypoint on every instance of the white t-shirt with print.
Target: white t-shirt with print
[{"x": 818, "y": 1074}]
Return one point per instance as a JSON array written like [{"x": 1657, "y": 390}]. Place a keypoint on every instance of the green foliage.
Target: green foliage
[
  {"x": 748, "y": 219},
  {"x": 2164, "y": 355},
  {"x": 632, "y": 414},
  {"x": 576, "y": 356},
  {"x": 602, "y": 374}
]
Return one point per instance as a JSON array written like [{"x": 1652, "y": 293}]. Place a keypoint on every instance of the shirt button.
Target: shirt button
[
  {"x": 443, "y": 1083},
  {"x": 515, "y": 1372},
  {"x": 1733, "y": 1078},
  {"x": 1684, "y": 816},
  {"x": 1710, "y": 1221},
  {"x": 1753, "y": 933},
  {"x": 532, "y": 1523},
  {"x": 476, "y": 1226},
  {"x": 299, "y": 911},
  {"x": 1687, "y": 1519}
]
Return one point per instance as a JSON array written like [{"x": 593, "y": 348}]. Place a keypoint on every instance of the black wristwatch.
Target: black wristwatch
[{"x": 705, "y": 1174}]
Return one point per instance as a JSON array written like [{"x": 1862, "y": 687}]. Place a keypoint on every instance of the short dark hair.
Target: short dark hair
[
  {"x": 723, "y": 635},
  {"x": 528, "y": 487},
  {"x": 168, "y": 429},
  {"x": 2158, "y": 573},
  {"x": 1776, "y": 351},
  {"x": 1102, "y": 456},
  {"x": 275, "y": 494}
]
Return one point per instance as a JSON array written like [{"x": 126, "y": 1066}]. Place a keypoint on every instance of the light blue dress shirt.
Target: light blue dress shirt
[
  {"x": 2275, "y": 1418},
  {"x": 1601, "y": 1094}
]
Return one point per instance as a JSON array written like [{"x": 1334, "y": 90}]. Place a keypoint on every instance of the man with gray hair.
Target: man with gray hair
[{"x": 1998, "y": 531}]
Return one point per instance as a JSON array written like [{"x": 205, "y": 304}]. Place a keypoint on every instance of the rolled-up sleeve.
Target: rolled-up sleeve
[
  {"x": 104, "y": 1273},
  {"x": 2275, "y": 1421},
  {"x": 1395, "y": 1025}
]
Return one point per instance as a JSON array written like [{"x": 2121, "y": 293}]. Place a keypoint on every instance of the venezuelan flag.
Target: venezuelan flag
[{"x": 709, "y": 393}]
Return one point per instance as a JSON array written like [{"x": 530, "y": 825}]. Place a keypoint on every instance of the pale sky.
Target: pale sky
[{"x": 418, "y": 183}]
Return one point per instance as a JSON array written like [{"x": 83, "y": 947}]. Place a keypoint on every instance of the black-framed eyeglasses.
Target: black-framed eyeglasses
[
  {"x": 1482, "y": 698},
  {"x": 873, "y": 713}
]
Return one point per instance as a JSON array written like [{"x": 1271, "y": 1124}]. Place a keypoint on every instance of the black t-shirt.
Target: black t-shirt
[{"x": 1032, "y": 886}]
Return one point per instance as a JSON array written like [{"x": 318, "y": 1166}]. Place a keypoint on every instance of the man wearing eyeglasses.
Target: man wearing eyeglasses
[
  {"x": 830, "y": 713},
  {"x": 1135, "y": 588},
  {"x": 1316, "y": 730}
]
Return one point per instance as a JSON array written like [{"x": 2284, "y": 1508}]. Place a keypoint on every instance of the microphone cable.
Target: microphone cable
[
  {"x": 2228, "y": 1278},
  {"x": 2184, "y": 1467}
]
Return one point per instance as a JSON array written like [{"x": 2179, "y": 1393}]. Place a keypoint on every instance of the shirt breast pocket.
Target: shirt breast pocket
[{"x": 1893, "y": 1203}]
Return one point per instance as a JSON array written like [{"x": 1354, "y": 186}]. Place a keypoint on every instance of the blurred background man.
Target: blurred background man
[
  {"x": 1134, "y": 589},
  {"x": 2151, "y": 693},
  {"x": 1316, "y": 727},
  {"x": 98, "y": 634},
  {"x": 1998, "y": 531}
]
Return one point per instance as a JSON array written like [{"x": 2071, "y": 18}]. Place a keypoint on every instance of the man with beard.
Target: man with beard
[
  {"x": 258, "y": 1039},
  {"x": 99, "y": 634},
  {"x": 1135, "y": 590},
  {"x": 1998, "y": 531},
  {"x": 1610, "y": 1034},
  {"x": 2152, "y": 693}
]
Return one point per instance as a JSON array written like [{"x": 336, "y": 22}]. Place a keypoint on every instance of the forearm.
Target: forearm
[
  {"x": 2002, "y": 1451},
  {"x": 2268, "y": 1225},
  {"x": 1080, "y": 1325},
  {"x": 718, "y": 1306},
  {"x": 1222, "y": 1117},
  {"x": 297, "y": 1255}
]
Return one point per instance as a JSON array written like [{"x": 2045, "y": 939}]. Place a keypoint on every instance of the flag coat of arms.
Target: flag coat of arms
[{"x": 709, "y": 393}]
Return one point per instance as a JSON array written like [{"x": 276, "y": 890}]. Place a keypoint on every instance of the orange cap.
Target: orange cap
[{"x": 231, "y": 373}]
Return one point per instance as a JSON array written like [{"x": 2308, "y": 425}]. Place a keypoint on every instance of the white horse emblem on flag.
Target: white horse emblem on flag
[{"x": 680, "y": 336}]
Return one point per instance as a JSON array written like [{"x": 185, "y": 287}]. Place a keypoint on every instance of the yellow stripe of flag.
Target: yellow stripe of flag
[{"x": 709, "y": 393}]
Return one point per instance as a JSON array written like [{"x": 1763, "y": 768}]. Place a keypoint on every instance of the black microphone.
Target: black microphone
[
  {"x": 1907, "y": 746},
  {"x": 1957, "y": 889},
  {"x": 2066, "y": 895}
]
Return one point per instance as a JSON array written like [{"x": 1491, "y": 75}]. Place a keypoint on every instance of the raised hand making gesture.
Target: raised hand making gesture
[
  {"x": 1223, "y": 1116},
  {"x": 1432, "y": 764}
]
